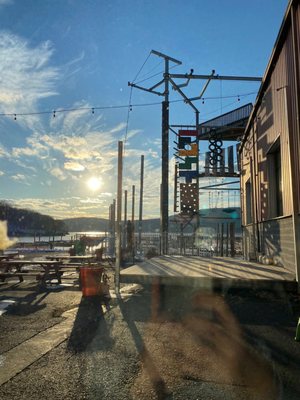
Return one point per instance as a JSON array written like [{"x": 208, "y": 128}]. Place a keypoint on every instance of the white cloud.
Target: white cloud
[
  {"x": 73, "y": 166},
  {"x": 20, "y": 178},
  {"x": 18, "y": 152},
  {"x": 118, "y": 128},
  {"x": 64, "y": 207},
  {"x": 1, "y": 173},
  {"x": 26, "y": 77},
  {"x": 4, "y": 152},
  {"x": 91, "y": 150},
  {"x": 58, "y": 173},
  {"x": 91, "y": 201}
]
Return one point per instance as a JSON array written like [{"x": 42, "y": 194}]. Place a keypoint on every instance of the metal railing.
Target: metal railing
[{"x": 149, "y": 245}]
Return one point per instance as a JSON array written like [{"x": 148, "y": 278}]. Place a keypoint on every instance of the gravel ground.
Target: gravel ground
[{"x": 234, "y": 345}]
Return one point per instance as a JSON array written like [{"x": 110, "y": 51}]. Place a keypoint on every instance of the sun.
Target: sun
[{"x": 94, "y": 183}]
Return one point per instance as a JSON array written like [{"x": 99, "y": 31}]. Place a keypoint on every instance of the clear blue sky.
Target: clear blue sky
[{"x": 81, "y": 53}]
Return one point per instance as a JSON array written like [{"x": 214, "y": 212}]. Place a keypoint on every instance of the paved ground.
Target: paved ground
[{"x": 183, "y": 344}]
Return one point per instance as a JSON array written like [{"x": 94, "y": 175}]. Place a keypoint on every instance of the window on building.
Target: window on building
[
  {"x": 275, "y": 180},
  {"x": 248, "y": 202}
]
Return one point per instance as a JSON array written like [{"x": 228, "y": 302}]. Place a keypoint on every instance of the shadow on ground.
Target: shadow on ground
[
  {"x": 88, "y": 323},
  {"x": 259, "y": 326}
]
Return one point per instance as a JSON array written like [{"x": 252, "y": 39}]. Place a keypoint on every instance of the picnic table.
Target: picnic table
[
  {"x": 79, "y": 259},
  {"x": 8, "y": 256},
  {"x": 48, "y": 269}
]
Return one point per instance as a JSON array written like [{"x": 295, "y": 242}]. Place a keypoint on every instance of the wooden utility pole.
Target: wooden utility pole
[
  {"x": 125, "y": 206},
  {"x": 125, "y": 220},
  {"x": 164, "y": 193},
  {"x": 175, "y": 187},
  {"x": 112, "y": 228},
  {"x": 141, "y": 201},
  {"x": 132, "y": 219},
  {"x": 132, "y": 205},
  {"x": 119, "y": 217}
]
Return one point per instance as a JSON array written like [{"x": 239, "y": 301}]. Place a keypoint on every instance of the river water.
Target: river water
[
  {"x": 22, "y": 241},
  {"x": 69, "y": 236}
]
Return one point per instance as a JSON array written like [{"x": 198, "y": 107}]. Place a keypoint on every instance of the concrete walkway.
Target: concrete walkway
[{"x": 22, "y": 356}]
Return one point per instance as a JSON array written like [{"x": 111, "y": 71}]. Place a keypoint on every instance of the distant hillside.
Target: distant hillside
[
  {"x": 209, "y": 218},
  {"x": 101, "y": 224},
  {"x": 86, "y": 224},
  {"x": 27, "y": 222}
]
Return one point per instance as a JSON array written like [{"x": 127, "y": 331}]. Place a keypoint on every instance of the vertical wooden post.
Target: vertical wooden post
[
  {"x": 227, "y": 239},
  {"x": 112, "y": 228},
  {"x": 232, "y": 239},
  {"x": 181, "y": 238},
  {"x": 119, "y": 217},
  {"x": 132, "y": 204},
  {"x": 141, "y": 201},
  {"x": 164, "y": 193},
  {"x": 222, "y": 240},
  {"x": 175, "y": 187},
  {"x": 217, "y": 239},
  {"x": 132, "y": 220},
  {"x": 124, "y": 241},
  {"x": 197, "y": 180},
  {"x": 207, "y": 165},
  {"x": 125, "y": 206}
]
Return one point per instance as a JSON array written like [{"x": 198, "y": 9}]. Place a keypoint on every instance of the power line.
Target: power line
[
  {"x": 151, "y": 70},
  {"x": 152, "y": 76},
  {"x": 139, "y": 71},
  {"x": 128, "y": 114}
]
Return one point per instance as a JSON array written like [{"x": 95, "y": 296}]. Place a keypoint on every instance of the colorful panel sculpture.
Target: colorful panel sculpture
[
  {"x": 188, "y": 175},
  {"x": 188, "y": 163},
  {"x": 187, "y": 132},
  {"x": 188, "y": 171},
  {"x": 189, "y": 152},
  {"x": 183, "y": 141},
  {"x": 188, "y": 198}
]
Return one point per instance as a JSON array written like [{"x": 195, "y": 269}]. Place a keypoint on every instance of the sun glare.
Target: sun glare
[{"x": 94, "y": 183}]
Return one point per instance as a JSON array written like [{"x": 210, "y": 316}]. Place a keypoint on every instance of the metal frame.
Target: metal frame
[{"x": 169, "y": 79}]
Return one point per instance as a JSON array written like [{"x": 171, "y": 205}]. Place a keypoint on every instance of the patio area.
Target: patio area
[{"x": 208, "y": 273}]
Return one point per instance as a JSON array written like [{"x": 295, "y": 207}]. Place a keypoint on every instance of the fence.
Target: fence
[{"x": 149, "y": 245}]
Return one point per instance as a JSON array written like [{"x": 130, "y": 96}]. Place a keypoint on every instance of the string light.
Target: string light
[{"x": 113, "y": 107}]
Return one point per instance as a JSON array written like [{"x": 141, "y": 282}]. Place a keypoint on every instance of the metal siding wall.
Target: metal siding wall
[
  {"x": 277, "y": 242},
  {"x": 245, "y": 173},
  {"x": 265, "y": 136},
  {"x": 270, "y": 124},
  {"x": 282, "y": 78},
  {"x": 297, "y": 134}
]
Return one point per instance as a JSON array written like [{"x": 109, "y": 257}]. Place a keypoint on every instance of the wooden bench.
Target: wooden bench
[
  {"x": 3, "y": 275},
  {"x": 47, "y": 269}
]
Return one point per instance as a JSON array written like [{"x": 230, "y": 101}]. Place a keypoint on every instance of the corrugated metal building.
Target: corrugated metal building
[{"x": 270, "y": 156}]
